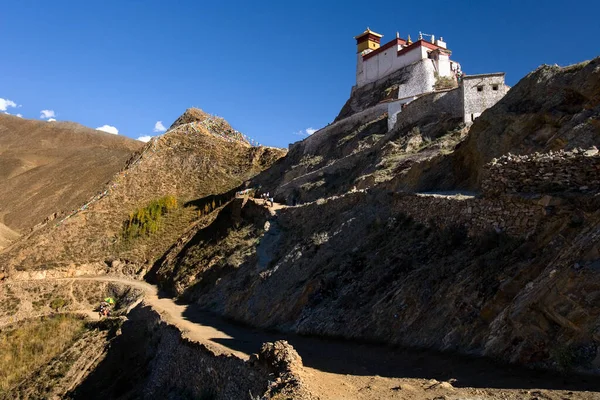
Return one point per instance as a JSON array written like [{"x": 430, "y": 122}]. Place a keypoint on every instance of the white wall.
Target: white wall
[
  {"x": 395, "y": 108},
  {"x": 476, "y": 102},
  {"x": 421, "y": 80},
  {"x": 385, "y": 63},
  {"x": 444, "y": 65}
]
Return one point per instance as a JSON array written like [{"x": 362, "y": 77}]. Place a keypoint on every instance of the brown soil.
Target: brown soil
[
  {"x": 189, "y": 163},
  {"x": 350, "y": 370},
  {"x": 48, "y": 167},
  {"x": 7, "y": 236}
]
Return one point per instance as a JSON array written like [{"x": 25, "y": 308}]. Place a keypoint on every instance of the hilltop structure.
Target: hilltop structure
[
  {"x": 409, "y": 70},
  {"x": 375, "y": 61}
]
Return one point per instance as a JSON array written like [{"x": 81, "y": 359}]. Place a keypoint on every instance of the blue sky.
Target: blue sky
[{"x": 273, "y": 69}]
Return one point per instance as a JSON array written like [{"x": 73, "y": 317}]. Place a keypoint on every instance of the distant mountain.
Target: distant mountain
[
  {"x": 199, "y": 156},
  {"x": 49, "y": 167}
]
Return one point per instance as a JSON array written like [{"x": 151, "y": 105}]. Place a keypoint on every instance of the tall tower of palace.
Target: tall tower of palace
[{"x": 366, "y": 42}]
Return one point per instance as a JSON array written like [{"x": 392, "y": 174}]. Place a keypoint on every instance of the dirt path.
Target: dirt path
[
  {"x": 172, "y": 313},
  {"x": 344, "y": 370},
  {"x": 272, "y": 209}
]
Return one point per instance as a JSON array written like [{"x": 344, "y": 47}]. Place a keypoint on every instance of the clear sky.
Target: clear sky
[{"x": 273, "y": 69}]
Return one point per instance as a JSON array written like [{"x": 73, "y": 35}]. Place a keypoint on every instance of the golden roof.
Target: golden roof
[{"x": 367, "y": 32}]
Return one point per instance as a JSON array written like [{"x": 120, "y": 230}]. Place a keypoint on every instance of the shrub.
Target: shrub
[
  {"x": 320, "y": 238},
  {"x": 147, "y": 220},
  {"x": 444, "y": 82},
  {"x": 57, "y": 304}
]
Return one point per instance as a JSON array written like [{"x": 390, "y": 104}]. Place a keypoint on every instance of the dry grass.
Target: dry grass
[
  {"x": 186, "y": 165},
  {"x": 444, "y": 82},
  {"x": 28, "y": 346}
]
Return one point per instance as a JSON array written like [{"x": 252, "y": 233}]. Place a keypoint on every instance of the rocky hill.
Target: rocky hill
[
  {"x": 358, "y": 152},
  {"x": 203, "y": 156},
  {"x": 552, "y": 108},
  {"x": 510, "y": 273},
  {"x": 478, "y": 240},
  {"x": 53, "y": 167}
]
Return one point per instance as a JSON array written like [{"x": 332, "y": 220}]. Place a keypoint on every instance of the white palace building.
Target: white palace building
[
  {"x": 426, "y": 70},
  {"x": 375, "y": 61}
]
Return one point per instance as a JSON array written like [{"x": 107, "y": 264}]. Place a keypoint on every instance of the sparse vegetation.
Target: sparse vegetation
[
  {"x": 320, "y": 238},
  {"x": 10, "y": 303},
  {"x": 57, "y": 304},
  {"x": 147, "y": 220},
  {"x": 576, "y": 67},
  {"x": 444, "y": 82},
  {"x": 32, "y": 344}
]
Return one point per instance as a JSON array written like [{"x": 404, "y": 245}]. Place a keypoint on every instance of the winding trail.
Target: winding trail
[
  {"x": 172, "y": 313},
  {"x": 336, "y": 369}
]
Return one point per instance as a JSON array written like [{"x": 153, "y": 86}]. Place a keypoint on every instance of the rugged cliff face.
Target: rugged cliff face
[
  {"x": 511, "y": 273},
  {"x": 376, "y": 267},
  {"x": 151, "y": 359},
  {"x": 356, "y": 153}
]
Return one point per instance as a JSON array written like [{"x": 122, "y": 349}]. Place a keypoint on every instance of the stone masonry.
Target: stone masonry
[
  {"x": 575, "y": 171},
  {"x": 512, "y": 215},
  {"x": 481, "y": 92},
  {"x": 519, "y": 194}
]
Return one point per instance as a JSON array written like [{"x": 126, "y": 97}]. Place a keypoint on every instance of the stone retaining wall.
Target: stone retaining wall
[
  {"x": 576, "y": 171},
  {"x": 312, "y": 143},
  {"x": 433, "y": 106},
  {"x": 512, "y": 215}
]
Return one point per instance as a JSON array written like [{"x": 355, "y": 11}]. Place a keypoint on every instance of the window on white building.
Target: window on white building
[
  {"x": 494, "y": 87},
  {"x": 480, "y": 88}
]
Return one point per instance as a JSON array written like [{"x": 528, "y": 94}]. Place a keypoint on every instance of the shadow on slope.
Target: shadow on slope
[{"x": 360, "y": 358}]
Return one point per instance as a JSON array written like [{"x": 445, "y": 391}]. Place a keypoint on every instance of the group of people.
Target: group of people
[
  {"x": 104, "y": 310},
  {"x": 267, "y": 199},
  {"x": 243, "y": 192}
]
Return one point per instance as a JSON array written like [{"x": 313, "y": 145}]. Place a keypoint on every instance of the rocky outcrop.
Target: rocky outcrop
[
  {"x": 355, "y": 153},
  {"x": 389, "y": 87},
  {"x": 190, "y": 115},
  {"x": 550, "y": 109},
  {"x": 151, "y": 359},
  {"x": 437, "y": 271}
]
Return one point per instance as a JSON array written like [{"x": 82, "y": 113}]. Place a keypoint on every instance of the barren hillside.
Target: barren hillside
[
  {"x": 510, "y": 273},
  {"x": 53, "y": 167},
  {"x": 352, "y": 249},
  {"x": 552, "y": 108},
  {"x": 202, "y": 157}
]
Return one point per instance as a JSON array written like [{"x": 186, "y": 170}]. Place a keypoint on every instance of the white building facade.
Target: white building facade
[
  {"x": 375, "y": 62},
  {"x": 422, "y": 71}
]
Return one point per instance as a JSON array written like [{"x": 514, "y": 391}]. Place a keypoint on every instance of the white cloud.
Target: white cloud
[
  {"x": 306, "y": 132},
  {"x": 47, "y": 114},
  {"x": 108, "y": 129},
  {"x": 159, "y": 127},
  {"x": 5, "y": 103},
  {"x": 145, "y": 139},
  {"x": 19, "y": 115},
  {"x": 51, "y": 120}
]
